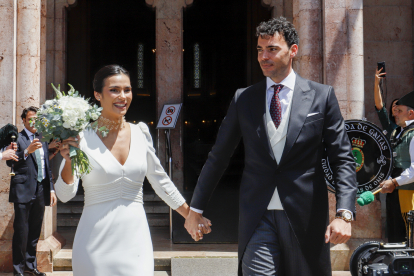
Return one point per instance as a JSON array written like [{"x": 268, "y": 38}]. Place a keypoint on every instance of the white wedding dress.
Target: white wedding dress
[{"x": 113, "y": 237}]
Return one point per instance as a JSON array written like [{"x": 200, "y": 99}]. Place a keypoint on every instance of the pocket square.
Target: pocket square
[{"x": 312, "y": 114}]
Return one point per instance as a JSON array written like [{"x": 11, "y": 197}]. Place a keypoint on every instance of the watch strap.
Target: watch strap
[{"x": 342, "y": 215}]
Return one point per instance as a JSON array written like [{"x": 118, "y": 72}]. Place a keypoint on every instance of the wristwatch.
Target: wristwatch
[
  {"x": 26, "y": 153},
  {"x": 345, "y": 215}
]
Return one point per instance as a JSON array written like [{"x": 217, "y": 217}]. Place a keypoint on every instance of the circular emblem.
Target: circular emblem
[{"x": 372, "y": 154}]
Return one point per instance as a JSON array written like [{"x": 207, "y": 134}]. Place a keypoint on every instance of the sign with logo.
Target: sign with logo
[
  {"x": 372, "y": 154},
  {"x": 169, "y": 116}
]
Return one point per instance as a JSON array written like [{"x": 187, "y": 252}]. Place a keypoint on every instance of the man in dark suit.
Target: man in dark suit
[
  {"x": 31, "y": 189},
  {"x": 286, "y": 123}
]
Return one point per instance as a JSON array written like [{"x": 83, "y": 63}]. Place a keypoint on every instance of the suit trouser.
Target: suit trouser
[
  {"x": 273, "y": 249},
  {"x": 396, "y": 231},
  {"x": 28, "y": 218}
]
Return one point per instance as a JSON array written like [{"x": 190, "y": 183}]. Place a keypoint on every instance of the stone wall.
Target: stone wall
[{"x": 388, "y": 36}]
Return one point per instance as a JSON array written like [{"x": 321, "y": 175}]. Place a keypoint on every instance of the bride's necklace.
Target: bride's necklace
[{"x": 110, "y": 124}]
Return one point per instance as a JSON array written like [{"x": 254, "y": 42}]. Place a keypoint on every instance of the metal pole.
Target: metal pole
[{"x": 169, "y": 165}]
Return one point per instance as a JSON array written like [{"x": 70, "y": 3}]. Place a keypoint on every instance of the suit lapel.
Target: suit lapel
[
  {"x": 302, "y": 100},
  {"x": 258, "y": 113}
]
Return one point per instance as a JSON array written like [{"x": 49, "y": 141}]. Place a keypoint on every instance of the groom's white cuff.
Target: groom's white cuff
[{"x": 196, "y": 210}]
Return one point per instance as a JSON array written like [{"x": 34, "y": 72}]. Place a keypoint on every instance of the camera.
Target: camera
[
  {"x": 395, "y": 263},
  {"x": 374, "y": 258}
]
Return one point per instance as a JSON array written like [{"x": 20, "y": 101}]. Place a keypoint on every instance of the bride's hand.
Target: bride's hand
[{"x": 64, "y": 146}]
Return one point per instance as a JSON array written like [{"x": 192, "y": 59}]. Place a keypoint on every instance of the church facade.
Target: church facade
[{"x": 194, "y": 52}]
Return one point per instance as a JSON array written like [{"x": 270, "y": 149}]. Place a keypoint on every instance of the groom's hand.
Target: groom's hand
[
  {"x": 197, "y": 225},
  {"x": 339, "y": 231}
]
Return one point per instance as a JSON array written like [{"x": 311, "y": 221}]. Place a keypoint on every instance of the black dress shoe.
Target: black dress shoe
[{"x": 35, "y": 272}]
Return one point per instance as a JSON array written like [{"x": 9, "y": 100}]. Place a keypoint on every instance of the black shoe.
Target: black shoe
[{"x": 35, "y": 272}]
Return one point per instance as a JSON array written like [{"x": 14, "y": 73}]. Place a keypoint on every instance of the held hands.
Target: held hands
[
  {"x": 34, "y": 145},
  {"x": 64, "y": 146},
  {"x": 197, "y": 225},
  {"x": 338, "y": 231}
]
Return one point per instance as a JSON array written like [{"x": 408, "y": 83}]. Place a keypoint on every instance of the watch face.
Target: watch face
[{"x": 347, "y": 215}]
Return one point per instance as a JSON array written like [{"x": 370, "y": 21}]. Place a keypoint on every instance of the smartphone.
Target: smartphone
[{"x": 380, "y": 65}]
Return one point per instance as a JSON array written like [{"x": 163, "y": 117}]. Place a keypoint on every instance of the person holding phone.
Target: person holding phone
[
  {"x": 394, "y": 222},
  {"x": 386, "y": 118}
]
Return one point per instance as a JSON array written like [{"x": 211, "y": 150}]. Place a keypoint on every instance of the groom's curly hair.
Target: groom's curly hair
[{"x": 278, "y": 25}]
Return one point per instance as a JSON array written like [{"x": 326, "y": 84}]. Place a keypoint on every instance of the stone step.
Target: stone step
[
  {"x": 182, "y": 262},
  {"x": 151, "y": 207},
  {"x": 62, "y": 261},
  {"x": 156, "y": 207},
  {"x": 154, "y": 219},
  {"x": 158, "y": 220},
  {"x": 70, "y": 208},
  {"x": 147, "y": 197}
]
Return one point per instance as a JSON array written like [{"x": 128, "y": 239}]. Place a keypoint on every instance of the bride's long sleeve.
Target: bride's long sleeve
[
  {"x": 158, "y": 178},
  {"x": 65, "y": 192}
]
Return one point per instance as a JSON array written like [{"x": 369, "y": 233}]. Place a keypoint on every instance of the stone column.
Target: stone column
[
  {"x": 307, "y": 19},
  {"x": 169, "y": 75},
  {"x": 6, "y": 106},
  {"x": 344, "y": 70},
  {"x": 343, "y": 54}
]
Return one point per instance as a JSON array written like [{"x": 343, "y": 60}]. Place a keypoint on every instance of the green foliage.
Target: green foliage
[{"x": 66, "y": 116}]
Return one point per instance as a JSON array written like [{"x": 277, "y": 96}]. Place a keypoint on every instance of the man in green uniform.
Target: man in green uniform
[{"x": 403, "y": 147}]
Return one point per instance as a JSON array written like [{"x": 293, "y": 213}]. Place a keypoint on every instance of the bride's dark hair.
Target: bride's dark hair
[{"x": 106, "y": 72}]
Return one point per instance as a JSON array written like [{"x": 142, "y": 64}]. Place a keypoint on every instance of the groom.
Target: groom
[{"x": 286, "y": 122}]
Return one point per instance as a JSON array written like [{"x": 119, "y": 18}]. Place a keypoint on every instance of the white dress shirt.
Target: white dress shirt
[
  {"x": 407, "y": 176},
  {"x": 42, "y": 153},
  {"x": 285, "y": 94}
]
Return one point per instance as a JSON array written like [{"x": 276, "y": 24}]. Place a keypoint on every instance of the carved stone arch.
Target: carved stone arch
[
  {"x": 277, "y": 5},
  {"x": 162, "y": 4}
]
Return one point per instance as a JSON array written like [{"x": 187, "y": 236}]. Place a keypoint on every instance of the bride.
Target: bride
[{"x": 113, "y": 237}]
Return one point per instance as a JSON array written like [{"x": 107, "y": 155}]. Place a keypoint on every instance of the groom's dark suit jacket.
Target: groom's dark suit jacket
[
  {"x": 23, "y": 184},
  {"x": 298, "y": 177}
]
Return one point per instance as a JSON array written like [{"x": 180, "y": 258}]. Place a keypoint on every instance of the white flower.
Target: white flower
[
  {"x": 74, "y": 112},
  {"x": 94, "y": 116}
]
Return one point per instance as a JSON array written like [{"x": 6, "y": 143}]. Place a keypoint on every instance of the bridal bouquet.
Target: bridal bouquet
[{"x": 66, "y": 116}]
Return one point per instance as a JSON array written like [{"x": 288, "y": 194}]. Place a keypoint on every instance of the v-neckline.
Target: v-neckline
[{"x": 106, "y": 148}]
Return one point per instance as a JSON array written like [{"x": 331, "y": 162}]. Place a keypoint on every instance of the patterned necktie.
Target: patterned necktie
[
  {"x": 275, "y": 106},
  {"x": 39, "y": 164}
]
